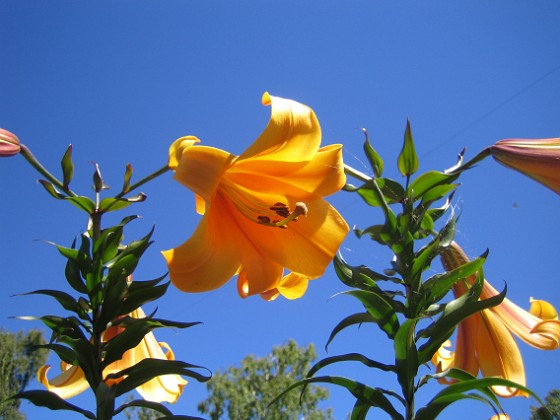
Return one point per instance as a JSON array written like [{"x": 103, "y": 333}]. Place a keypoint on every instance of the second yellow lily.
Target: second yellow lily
[
  {"x": 165, "y": 388},
  {"x": 485, "y": 341}
]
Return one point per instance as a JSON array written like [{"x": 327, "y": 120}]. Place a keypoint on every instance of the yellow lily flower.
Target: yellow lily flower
[
  {"x": 263, "y": 211},
  {"x": 538, "y": 159},
  {"x": 165, "y": 388},
  {"x": 485, "y": 340}
]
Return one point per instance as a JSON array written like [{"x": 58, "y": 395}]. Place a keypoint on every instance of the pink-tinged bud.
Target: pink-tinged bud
[
  {"x": 537, "y": 158},
  {"x": 9, "y": 143}
]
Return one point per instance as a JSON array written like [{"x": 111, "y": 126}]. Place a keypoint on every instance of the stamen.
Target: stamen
[
  {"x": 281, "y": 209},
  {"x": 300, "y": 210}
]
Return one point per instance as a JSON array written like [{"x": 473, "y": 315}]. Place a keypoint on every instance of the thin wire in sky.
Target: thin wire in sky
[{"x": 495, "y": 108}]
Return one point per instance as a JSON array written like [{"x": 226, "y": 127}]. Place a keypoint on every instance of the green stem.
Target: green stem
[
  {"x": 348, "y": 170},
  {"x": 460, "y": 167},
  {"x": 144, "y": 180},
  {"x": 43, "y": 171}
]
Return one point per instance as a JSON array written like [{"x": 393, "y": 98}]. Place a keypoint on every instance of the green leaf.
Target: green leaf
[
  {"x": 83, "y": 203},
  {"x": 372, "y": 156},
  {"x": 392, "y": 192},
  {"x": 350, "y": 357},
  {"x": 67, "y": 167},
  {"x": 373, "y": 396},
  {"x": 406, "y": 357},
  {"x": 144, "y": 404},
  {"x": 67, "y": 301},
  {"x": 456, "y": 391},
  {"x": 439, "y": 285},
  {"x": 114, "y": 297},
  {"x": 114, "y": 204},
  {"x": 427, "y": 181},
  {"x": 105, "y": 399},
  {"x": 150, "y": 368},
  {"x": 50, "y": 188},
  {"x": 361, "y": 277},
  {"x": 134, "y": 332},
  {"x": 125, "y": 262},
  {"x": 455, "y": 311},
  {"x": 359, "y": 318},
  {"x": 438, "y": 192},
  {"x": 139, "y": 297},
  {"x": 69, "y": 326},
  {"x": 424, "y": 257},
  {"x": 127, "y": 177},
  {"x": 72, "y": 273},
  {"x": 380, "y": 309},
  {"x": 408, "y": 159},
  {"x": 65, "y": 354},
  {"x": 52, "y": 401}
]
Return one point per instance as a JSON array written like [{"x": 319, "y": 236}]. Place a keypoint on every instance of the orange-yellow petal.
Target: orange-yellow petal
[
  {"x": 69, "y": 383},
  {"x": 293, "y": 286},
  {"x": 322, "y": 176},
  {"x": 306, "y": 246},
  {"x": 210, "y": 257},
  {"x": 177, "y": 148},
  {"x": 498, "y": 354},
  {"x": 501, "y": 416},
  {"x": 542, "y": 309},
  {"x": 293, "y": 133},
  {"x": 201, "y": 168},
  {"x": 259, "y": 275},
  {"x": 539, "y": 333}
]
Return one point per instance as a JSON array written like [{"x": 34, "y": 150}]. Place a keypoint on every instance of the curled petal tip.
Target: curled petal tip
[{"x": 266, "y": 100}]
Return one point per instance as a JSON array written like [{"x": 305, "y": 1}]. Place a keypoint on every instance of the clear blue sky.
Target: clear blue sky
[{"x": 122, "y": 80}]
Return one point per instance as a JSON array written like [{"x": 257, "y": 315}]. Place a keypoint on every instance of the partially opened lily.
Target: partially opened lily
[
  {"x": 166, "y": 388},
  {"x": 485, "y": 341},
  {"x": 263, "y": 211},
  {"x": 538, "y": 159}
]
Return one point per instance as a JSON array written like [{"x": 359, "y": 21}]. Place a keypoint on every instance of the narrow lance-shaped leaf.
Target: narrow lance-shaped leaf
[
  {"x": 52, "y": 401},
  {"x": 144, "y": 404},
  {"x": 150, "y": 368},
  {"x": 406, "y": 357},
  {"x": 372, "y": 156},
  {"x": 408, "y": 159},
  {"x": 67, "y": 167},
  {"x": 127, "y": 177},
  {"x": 381, "y": 311},
  {"x": 373, "y": 396}
]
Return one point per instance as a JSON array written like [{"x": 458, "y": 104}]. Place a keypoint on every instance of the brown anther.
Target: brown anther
[
  {"x": 263, "y": 219},
  {"x": 280, "y": 209}
]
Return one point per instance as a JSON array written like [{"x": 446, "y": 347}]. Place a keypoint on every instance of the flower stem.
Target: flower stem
[
  {"x": 144, "y": 180},
  {"x": 43, "y": 171},
  {"x": 348, "y": 170}
]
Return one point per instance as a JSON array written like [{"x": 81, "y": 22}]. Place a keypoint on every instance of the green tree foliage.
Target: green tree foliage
[
  {"x": 552, "y": 403},
  {"x": 244, "y": 393},
  {"x": 19, "y": 363},
  {"x": 140, "y": 413}
]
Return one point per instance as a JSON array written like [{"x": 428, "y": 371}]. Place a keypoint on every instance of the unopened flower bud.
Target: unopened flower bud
[
  {"x": 538, "y": 159},
  {"x": 9, "y": 143}
]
